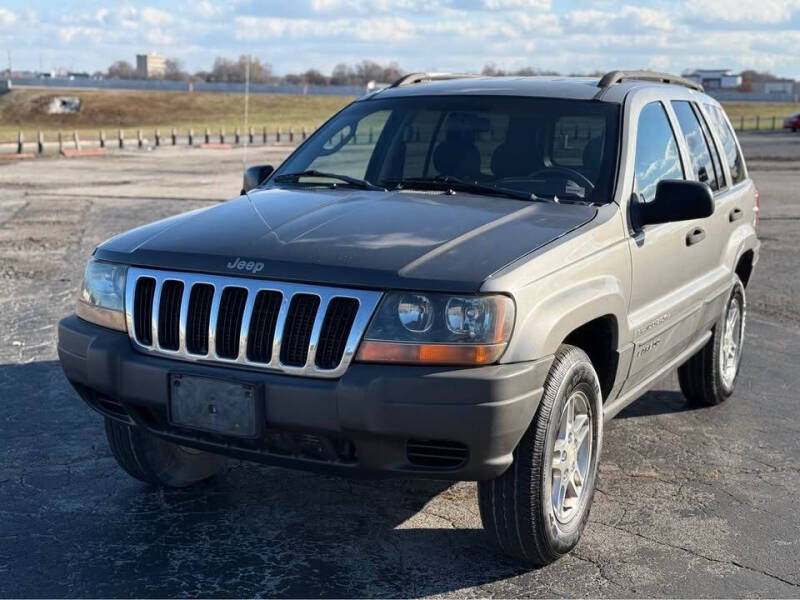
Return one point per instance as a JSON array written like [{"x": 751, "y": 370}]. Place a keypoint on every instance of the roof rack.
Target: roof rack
[
  {"x": 613, "y": 77},
  {"x": 413, "y": 78}
]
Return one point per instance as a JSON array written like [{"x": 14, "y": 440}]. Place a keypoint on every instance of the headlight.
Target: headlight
[
  {"x": 438, "y": 329},
  {"x": 102, "y": 296}
]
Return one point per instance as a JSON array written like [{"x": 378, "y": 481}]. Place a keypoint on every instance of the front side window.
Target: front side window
[
  {"x": 553, "y": 148},
  {"x": 729, "y": 147},
  {"x": 657, "y": 155},
  {"x": 699, "y": 153}
]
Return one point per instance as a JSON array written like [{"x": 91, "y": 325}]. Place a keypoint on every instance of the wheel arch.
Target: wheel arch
[
  {"x": 591, "y": 315},
  {"x": 599, "y": 339},
  {"x": 744, "y": 266}
]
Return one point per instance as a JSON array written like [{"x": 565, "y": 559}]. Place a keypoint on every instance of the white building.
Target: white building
[
  {"x": 150, "y": 65},
  {"x": 715, "y": 79},
  {"x": 778, "y": 86}
]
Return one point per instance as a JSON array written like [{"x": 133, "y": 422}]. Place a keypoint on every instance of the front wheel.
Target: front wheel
[
  {"x": 156, "y": 461},
  {"x": 709, "y": 377},
  {"x": 537, "y": 509}
]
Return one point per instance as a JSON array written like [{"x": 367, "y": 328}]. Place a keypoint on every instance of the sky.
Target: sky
[{"x": 421, "y": 35}]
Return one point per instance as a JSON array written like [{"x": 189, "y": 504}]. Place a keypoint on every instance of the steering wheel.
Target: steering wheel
[{"x": 566, "y": 173}]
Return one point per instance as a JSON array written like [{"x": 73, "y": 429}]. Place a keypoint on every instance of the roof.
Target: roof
[{"x": 570, "y": 88}]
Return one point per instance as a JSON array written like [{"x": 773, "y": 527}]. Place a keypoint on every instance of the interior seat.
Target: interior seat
[{"x": 457, "y": 154}]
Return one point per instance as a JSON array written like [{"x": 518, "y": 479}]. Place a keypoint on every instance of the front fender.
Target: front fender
[{"x": 553, "y": 316}]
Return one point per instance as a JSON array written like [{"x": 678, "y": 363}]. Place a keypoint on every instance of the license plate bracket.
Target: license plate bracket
[{"x": 213, "y": 405}]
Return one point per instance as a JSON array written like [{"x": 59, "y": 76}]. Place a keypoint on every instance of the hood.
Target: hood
[{"x": 371, "y": 239}]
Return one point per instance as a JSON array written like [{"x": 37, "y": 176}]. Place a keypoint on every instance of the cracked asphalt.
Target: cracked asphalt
[{"x": 690, "y": 502}]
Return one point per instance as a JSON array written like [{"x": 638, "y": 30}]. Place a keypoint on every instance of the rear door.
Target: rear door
[
  {"x": 706, "y": 167},
  {"x": 733, "y": 207}
]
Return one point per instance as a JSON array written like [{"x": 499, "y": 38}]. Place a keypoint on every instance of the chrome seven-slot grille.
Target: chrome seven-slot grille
[{"x": 291, "y": 328}]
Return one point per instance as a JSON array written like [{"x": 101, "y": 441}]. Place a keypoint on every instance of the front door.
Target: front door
[{"x": 667, "y": 260}]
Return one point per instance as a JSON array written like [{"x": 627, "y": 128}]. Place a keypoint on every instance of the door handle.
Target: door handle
[
  {"x": 735, "y": 214},
  {"x": 696, "y": 235}
]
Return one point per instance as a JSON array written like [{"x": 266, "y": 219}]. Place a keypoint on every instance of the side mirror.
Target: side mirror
[
  {"x": 254, "y": 176},
  {"x": 676, "y": 200}
]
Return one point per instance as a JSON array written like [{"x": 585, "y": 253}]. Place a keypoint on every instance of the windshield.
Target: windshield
[{"x": 552, "y": 148}]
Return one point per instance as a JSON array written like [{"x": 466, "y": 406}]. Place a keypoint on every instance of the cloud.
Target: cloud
[
  {"x": 633, "y": 19},
  {"x": 71, "y": 35},
  {"x": 206, "y": 9},
  {"x": 351, "y": 7},
  {"x": 7, "y": 17},
  {"x": 457, "y": 35},
  {"x": 155, "y": 16},
  {"x": 159, "y": 38},
  {"x": 516, "y": 4},
  {"x": 369, "y": 29},
  {"x": 740, "y": 11}
]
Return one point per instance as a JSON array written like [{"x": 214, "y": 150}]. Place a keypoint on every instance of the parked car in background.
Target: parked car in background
[{"x": 792, "y": 122}]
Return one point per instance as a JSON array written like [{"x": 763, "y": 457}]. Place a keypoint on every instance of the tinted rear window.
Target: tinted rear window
[
  {"x": 729, "y": 148},
  {"x": 699, "y": 150}
]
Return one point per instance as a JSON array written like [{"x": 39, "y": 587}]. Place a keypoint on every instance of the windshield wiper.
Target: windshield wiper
[
  {"x": 360, "y": 183},
  {"x": 445, "y": 182}
]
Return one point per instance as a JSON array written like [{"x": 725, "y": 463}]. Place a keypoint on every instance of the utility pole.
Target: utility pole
[{"x": 246, "y": 108}]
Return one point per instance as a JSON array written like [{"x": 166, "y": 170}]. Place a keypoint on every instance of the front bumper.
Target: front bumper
[{"x": 433, "y": 422}]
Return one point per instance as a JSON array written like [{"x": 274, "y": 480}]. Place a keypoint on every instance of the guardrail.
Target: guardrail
[
  {"x": 187, "y": 86},
  {"x": 155, "y": 138}
]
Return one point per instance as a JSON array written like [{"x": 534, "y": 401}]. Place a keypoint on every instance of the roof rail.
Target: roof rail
[
  {"x": 413, "y": 78},
  {"x": 613, "y": 77}
]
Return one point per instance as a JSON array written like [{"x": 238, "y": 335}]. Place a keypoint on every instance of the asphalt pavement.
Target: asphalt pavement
[{"x": 690, "y": 502}]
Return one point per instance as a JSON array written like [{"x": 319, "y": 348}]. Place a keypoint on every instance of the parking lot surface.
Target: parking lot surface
[{"x": 690, "y": 502}]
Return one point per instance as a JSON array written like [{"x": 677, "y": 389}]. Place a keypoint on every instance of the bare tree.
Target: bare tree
[
  {"x": 122, "y": 69},
  {"x": 173, "y": 70},
  {"x": 341, "y": 75},
  {"x": 314, "y": 77},
  {"x": 234, "y": 71},
  {"x": 751, "y": 76},
  {"x": 364, "y": 72},
  {"x": 493, "y": 70}
]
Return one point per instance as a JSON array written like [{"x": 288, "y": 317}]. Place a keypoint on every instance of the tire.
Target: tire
[
  {"x": 155, "y": 461},
  {"x": 517, "y": 508},
  {"x": 704, "y": 378}
]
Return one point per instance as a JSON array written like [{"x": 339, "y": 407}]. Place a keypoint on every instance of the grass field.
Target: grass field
[
  {"x": 26, "y": 110},
  {"x": 764, "y": 111}
]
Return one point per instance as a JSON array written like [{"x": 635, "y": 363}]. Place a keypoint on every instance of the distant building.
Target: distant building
[
  {"x": 715, "y": 79},
  {"x": 775, "y": 86},
  {"x": 150, "y": 66}
]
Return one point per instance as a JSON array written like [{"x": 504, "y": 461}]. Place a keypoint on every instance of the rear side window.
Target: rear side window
[
  {"x": 657, "y": 154},
  {"x": 699, "y": 150},
  {"x": 715, "y": 155},
  {"x": 729, "y": 148}
]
